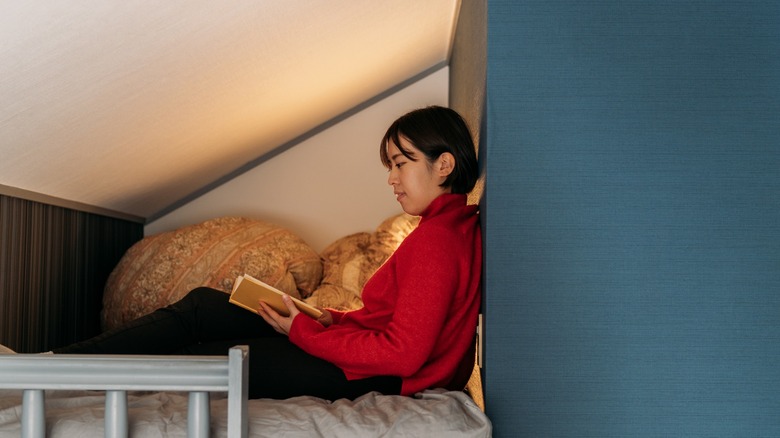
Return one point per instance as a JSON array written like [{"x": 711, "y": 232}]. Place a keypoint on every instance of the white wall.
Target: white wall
[{"x": 326, "y": 187}]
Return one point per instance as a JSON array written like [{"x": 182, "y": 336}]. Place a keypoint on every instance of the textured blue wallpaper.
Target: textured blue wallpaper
[{"x": 633, "y": 218}]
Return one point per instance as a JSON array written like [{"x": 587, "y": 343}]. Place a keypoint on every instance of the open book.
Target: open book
[{"x": 247, "y": 291}]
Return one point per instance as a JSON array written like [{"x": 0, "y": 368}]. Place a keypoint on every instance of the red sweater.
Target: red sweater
[{"x": 420, "y": 308}]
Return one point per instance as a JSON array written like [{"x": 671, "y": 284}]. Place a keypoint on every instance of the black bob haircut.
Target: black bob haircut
[{"x": 435, "y": 130}]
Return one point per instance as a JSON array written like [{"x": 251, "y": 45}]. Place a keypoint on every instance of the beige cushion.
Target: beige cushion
[
  {"x": 350, "y": 261},
  {"x": 160, "y": 269}
]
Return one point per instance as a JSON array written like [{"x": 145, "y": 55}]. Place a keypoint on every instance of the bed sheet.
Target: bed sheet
[{"x": 432, "y": 413}]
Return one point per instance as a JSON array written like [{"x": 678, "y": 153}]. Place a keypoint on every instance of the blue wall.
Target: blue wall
[{"x": 633, "y": 218}]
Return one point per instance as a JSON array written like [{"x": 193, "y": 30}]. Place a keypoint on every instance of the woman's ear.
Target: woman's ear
[{"x": 445, "y": 164}]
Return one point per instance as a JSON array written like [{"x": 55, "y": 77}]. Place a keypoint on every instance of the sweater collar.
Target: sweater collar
[{"x": 444, "y": 202}]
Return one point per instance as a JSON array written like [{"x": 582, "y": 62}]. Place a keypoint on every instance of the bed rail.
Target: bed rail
[{"x": 117, "y": 374}]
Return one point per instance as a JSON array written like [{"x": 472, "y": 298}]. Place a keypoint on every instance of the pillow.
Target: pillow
[
  {"x": 160, "y": 269},
  {"x": 350, "y": 261}
]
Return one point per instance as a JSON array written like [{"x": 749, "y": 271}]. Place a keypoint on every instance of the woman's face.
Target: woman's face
[{"x": 416, "y": 183}]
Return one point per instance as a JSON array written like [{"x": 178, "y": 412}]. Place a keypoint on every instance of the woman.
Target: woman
[{"x": 416, "y": 329}]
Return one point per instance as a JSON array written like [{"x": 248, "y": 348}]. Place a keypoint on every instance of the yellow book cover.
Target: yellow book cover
[{"x": 247, "y": 291}]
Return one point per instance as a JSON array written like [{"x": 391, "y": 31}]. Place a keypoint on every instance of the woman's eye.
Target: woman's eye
[{"x": 398, "y": 165}]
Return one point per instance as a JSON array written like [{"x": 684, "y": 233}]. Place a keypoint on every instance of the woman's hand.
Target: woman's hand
[
  {"x": 326, "y": 319},
  {"x": 279, "y": 323}
]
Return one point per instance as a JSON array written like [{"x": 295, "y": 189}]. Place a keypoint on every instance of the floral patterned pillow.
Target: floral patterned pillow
[
  {"x": 160, "y": 269},
  {"x": 350, "y": 261}
]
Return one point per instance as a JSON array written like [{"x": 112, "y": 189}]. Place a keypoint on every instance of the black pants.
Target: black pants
[{"x": 205, "y": 323}]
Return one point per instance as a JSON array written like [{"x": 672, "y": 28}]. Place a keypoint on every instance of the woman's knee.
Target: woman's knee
[
  {"x": 204, "y": 290},
  {"x": 201, "y": 296}
]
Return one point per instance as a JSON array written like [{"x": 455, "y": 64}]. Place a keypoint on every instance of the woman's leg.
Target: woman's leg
[
  {"x": 203, "y": 315},
  {"x": 279, "y": 369},
  {"x": 205, "y": 323}
]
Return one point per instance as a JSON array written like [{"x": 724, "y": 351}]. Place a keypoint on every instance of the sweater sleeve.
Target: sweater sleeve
[{"x": 424, "y": 275}]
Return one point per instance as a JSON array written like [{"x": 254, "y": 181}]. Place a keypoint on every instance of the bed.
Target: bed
[{"x": 160, "y": 269}]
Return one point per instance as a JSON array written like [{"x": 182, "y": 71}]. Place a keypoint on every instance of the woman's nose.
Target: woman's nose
[{"x": 392, "y": 177}]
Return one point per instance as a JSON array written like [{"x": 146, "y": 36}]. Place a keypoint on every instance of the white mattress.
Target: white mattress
[{"x": 434, "y": 413}]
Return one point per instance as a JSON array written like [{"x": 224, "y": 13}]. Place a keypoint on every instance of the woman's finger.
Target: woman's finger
[{"x": 279, "y": 323}]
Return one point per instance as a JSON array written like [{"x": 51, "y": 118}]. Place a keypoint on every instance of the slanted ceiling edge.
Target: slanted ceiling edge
[
  {"x": 64, "y": 203},
  {"x": 75, "y": 205}
]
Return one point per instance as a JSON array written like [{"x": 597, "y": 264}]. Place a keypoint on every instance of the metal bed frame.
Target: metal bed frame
[{"x": 117, "y": 374}]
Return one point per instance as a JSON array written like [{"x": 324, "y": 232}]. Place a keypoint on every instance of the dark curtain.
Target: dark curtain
[{"x": 54, "y": 263}]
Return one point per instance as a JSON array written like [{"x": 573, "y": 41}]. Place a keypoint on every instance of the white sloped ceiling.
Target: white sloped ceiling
[{"x": 131, "y": 106}]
